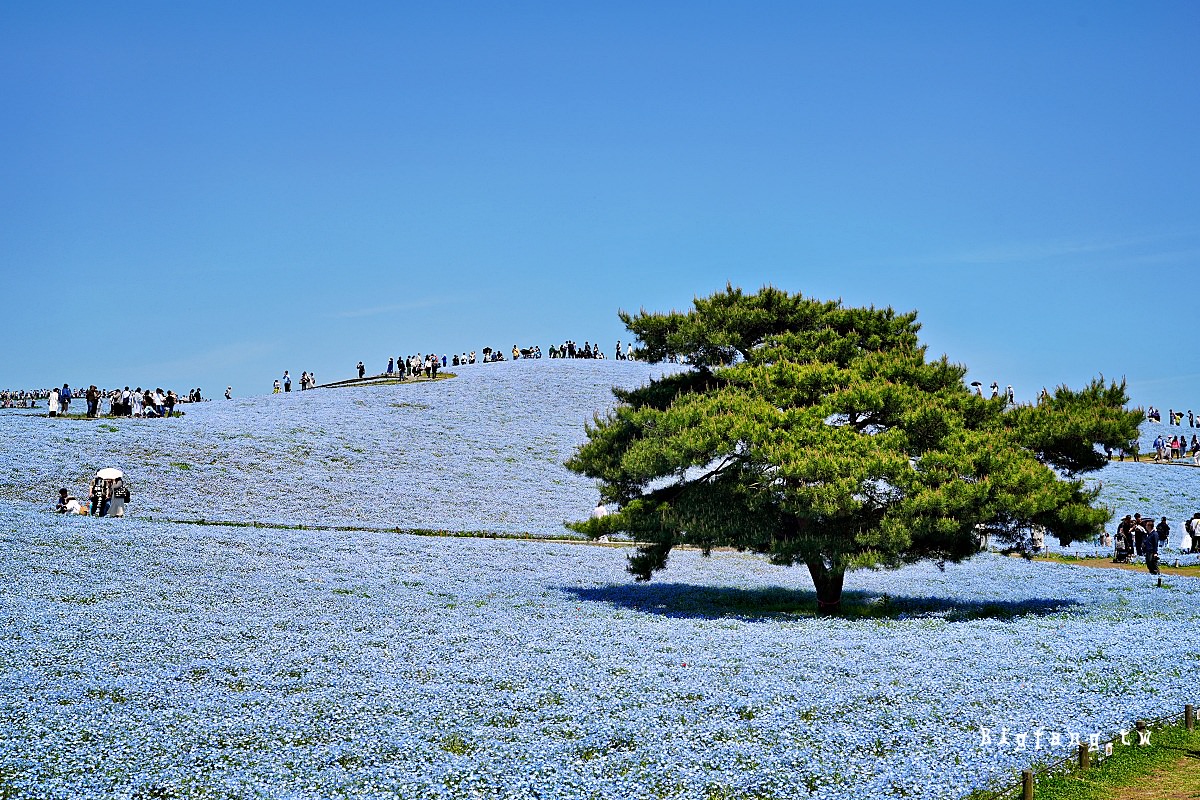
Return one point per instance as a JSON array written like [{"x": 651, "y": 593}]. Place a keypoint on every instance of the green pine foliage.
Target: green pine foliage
[{"x": 821, "y": 435}]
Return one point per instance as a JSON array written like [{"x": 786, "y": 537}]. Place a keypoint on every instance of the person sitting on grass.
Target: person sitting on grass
[
  {"x": 67, "y": 503},
  {"x": 149, "y": 407}
]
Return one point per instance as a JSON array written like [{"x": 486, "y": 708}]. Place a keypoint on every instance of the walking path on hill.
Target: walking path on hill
[
  {"x": 384, "y": 379},
  {"x": 1178, "y": 781},
  {"x": 1105, "y": 562}
]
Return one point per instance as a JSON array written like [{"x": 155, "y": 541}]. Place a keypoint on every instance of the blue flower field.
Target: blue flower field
[{"x": 153, "y": 657}]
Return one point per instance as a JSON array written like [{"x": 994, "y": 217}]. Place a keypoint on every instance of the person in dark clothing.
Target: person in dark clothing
[
  {"x": 1151, "y": 548},
  {"x": 1163, "y": 529},
  {"x": 361, "y": 370},
  {"x": 100, "y": 497},
  {"x": 92, "y": 396}
]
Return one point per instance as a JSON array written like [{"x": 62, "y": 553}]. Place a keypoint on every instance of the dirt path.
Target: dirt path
[
  {"x": 1104, "y": 562},
  {"x": 1179, "y": 781}
]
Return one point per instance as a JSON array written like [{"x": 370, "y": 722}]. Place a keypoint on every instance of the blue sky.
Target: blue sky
[{"x": 208, "y": 194}]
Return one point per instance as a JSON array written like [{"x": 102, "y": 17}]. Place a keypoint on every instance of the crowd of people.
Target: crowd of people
[
  {"x": 1173, "y": 417},
  {"x": 1138, "y": 536},
  {"x": 126, "y": 402},
  {"x": 308, "y": 380},
  {"x": 1176, "y": 447},
  {"x": 22, "y": 398},
  {"x": 107, "y": 497},
  {"x": 428, "y": 364}
]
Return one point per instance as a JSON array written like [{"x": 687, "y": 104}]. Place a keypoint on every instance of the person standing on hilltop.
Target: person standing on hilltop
[
  {"x": 287, "y": 381},
  {"x": 361, "y": 370},
  {"x": 92, "y": 396}
]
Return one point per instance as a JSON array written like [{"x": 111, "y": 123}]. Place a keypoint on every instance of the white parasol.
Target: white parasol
[{"x": 110, "y": 474}]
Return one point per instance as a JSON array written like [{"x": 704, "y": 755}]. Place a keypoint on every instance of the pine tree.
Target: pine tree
[{"x": 819, "y": 434}]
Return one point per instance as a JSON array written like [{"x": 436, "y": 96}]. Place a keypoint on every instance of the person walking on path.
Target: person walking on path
[{"x": 1150, "y": 548}]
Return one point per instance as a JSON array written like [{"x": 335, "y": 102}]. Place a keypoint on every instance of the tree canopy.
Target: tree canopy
[{"x": 821, "y": 435}]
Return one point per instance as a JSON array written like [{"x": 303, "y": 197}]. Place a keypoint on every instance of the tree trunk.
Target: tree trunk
[{"x": 828, "y": 581}]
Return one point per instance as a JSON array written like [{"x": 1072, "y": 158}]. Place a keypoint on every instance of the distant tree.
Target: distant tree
[{"x": 820, "y": 435}]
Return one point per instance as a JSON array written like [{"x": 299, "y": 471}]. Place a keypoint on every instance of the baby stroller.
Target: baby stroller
[{"x": 1121, "y": 550}]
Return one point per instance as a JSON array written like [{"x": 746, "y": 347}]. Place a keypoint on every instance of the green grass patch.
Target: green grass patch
[
  {"x": 456, "y": 744},
  {"x": 1166, "y": 768}
]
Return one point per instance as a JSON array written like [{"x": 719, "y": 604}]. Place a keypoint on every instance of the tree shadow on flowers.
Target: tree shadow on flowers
[{"x": 774, "y": 603}]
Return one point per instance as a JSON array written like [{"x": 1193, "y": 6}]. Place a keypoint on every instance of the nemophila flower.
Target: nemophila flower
[{"x": 140, "y": 657}]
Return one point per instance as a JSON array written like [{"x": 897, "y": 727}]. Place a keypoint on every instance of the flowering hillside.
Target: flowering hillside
[
  {"x": 145, "y": 658},
  {"x": 482, "y": 451}
]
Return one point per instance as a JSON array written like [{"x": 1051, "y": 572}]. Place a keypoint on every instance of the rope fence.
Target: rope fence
[{"x": 1085, "y": 757}]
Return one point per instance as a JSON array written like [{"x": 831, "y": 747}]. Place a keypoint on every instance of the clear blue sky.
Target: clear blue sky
[{"x": 203, "y": 194}]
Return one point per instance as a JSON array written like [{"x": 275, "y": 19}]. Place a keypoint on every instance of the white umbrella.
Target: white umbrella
[{"x": 110, "y": 474}]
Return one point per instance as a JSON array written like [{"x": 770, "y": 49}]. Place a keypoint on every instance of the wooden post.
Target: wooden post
[
  {"x": 1085, "y": 758},
  {"x": 1189, "y": 717},
  {"x": 1027, "y": 785}
]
